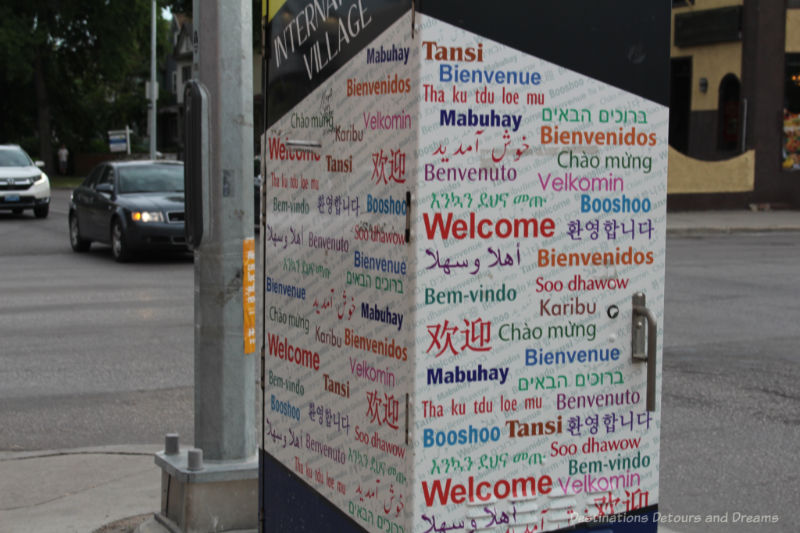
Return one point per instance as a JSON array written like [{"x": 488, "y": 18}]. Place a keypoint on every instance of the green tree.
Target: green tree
[{"x": 77, "y": 66}]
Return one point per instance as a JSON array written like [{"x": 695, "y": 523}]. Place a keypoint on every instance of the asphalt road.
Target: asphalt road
[
  {"x": 94, "y": 353},
  {"x": 730, "y": 440},
  {"x": 91, "y": 352}
]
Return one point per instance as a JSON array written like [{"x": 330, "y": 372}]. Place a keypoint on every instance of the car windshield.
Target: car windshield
[
  {"x": 14, "y": 158},
  {"x": 150, "y": 178}
]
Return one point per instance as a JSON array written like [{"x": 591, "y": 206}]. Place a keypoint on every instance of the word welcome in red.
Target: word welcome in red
[
  {"x": 294, "y": 354},
  {"x": 484, "y": 491},
  {"x": 486, "y": 228}
]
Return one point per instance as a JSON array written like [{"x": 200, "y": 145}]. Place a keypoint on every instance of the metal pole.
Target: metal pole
[
  {"x": 153, "y": 90},
  {"x": 225, "y": 376}
]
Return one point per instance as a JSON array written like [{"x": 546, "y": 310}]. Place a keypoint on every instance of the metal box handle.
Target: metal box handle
[{"x": 640, "y": 315}]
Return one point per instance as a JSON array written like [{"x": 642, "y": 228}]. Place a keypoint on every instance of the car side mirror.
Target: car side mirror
[
  {"x": 39, "y": 164},
  {"x": 105, "y": 188}
]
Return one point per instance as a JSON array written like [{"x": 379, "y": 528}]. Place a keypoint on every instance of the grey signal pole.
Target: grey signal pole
[
  {"x": 225, "y": 377},
  {"x": 215, "y": 485}
]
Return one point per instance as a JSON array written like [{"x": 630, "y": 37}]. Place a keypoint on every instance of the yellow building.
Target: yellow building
[{"x": 735, "y": 103}]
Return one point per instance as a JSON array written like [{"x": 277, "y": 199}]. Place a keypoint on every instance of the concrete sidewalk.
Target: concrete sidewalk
[
  {"x": 80, "y": 490},
  {"x": 113, "y": 489},
  {"x": 699, "y": 222}
]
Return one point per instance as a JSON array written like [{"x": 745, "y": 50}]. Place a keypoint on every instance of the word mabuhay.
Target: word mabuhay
[
  {"x": 388, "y": 55},
  {"x": 437, "y": 376},
  {"x": 350, "y": 24},
  {"x": 492, "y": 119},
  {"x": 383, "y": 315}
]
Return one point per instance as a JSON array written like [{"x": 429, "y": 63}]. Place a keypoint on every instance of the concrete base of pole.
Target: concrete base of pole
[{"x": 218, "y": 496}]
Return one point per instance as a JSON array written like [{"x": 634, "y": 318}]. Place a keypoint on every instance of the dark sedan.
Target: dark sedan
[{"x": 132, "y": 205}]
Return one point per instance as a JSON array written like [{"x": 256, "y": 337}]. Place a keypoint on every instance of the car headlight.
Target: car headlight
[{"x": 147, "y": 216}]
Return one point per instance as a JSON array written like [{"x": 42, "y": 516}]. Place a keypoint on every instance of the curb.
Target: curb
[{"x": 729, "y": 231}]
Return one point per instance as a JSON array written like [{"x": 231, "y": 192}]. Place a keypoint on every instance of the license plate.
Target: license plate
[{"x": 12, "y": 198}]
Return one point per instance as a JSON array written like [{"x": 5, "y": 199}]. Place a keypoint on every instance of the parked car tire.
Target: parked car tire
[
  {"x": 78, "y": 243},
  {"x": 41, "y": 211},
  {"x": 119, "y": 246}
]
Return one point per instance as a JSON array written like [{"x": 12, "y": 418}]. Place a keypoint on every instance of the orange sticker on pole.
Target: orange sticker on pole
[{"x": 249, "y": 294}]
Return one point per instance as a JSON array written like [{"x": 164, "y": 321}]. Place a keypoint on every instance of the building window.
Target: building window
[
  {"x": 791, "y": 114},
  {"x": 680, "y": 97},
  {"x": 174, "y": 82},
  {"x": 728, "y": 112},
  {"x": 186, "y": 73}
]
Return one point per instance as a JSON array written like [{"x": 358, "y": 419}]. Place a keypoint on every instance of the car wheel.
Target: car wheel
[
  {"x": 78, "y": 244},
  {"x": 41, "y": 211},
  {"x": 119, "y": 247}
]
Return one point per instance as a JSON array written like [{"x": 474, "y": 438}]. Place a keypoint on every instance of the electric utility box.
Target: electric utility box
[{"x": 464, "y": 250}]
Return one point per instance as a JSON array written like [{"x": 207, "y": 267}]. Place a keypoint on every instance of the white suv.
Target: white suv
[{"x": 23, "y": 184}]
